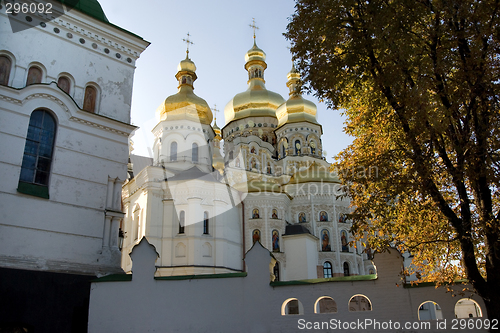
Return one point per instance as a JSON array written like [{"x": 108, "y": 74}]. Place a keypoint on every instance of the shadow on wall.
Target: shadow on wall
[{"x": 224, "y": 302}]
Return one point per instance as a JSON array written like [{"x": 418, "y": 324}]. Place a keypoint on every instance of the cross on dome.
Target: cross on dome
[
  {"x": 187, "y": 41},
  {"x": 215, "y": 111},
  {"x": 254, "y": 27}
]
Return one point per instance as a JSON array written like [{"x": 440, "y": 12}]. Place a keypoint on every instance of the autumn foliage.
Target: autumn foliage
[{"x": 418, "y": 81}]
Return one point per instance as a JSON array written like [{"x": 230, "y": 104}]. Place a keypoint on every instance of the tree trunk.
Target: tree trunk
[{"x": 492, "y": 304}]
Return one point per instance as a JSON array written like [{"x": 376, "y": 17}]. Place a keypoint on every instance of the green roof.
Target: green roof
[
  {"x": 93, "y": 9},
  {"x": 128, "y": 277},
  {"x": 368, "y": 277},
  {"x": 89, "y": 7}
]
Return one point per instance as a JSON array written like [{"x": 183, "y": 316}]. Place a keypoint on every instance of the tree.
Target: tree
[{"x": 418, "y": 81}]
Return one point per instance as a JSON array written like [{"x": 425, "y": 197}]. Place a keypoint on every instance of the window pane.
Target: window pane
[
  {"x": 45, "y": 150},
  {"x": 43, "y": 164},
  {"x": 27, "y": 175},
  {"x": 29, "y": 161},
  {"x": 36, "y": 118},
  {"x": 33, "y": 133},
  {"x": 48, "y": 123},
  {"x": 31, "y": 147},
  {"x": 42, "y": 178}
]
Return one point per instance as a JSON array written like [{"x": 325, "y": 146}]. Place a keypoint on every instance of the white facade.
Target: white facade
[
  {"x": 273, "y": 176},
  {"x": 247, "y": 302},
  {"x": 73, "y": 226}
]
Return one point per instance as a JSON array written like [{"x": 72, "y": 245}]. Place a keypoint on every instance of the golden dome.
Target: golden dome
[
  {"x": 217, "y": 131},
  {"x": 255, "y": 54},
  {"x": 186, "y": 65},
  {"x": 256, "y": 101},
  {"x": 296, "y": 108},
  {"x": 315, "y": 173},
  {"x": 185, "y": 104},
  {"x": 218, "y": 161}
]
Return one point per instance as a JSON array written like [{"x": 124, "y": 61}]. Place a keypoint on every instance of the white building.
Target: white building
[
  {"x": 65, "y": 94},
  {"x": 273, "y": 186}
]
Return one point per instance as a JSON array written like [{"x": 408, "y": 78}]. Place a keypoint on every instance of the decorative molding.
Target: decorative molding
[
  {"x": 71, "y": 117},
  {"x": 11, "y": 100}
]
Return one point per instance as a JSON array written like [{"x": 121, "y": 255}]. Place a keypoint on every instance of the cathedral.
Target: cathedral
[
  {"x": 240, "y": 228},
  {"x": 209, "y": 194}
]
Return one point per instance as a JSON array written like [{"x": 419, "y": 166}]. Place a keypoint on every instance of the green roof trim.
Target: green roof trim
[
  {"x": 204, "y": 276},
  {"x": 433, "y": 284},
  {"x": 93, "y": 9},
  {"x": 114, "y": 278},
  {"x": 368, "y": 277},
  {"x": 89, "y": 7},
  {"x": 128, "y": 277}
]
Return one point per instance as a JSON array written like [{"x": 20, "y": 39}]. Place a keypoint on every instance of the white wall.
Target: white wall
[
  {"x": 76, "y": 229},
  {"x": 251, "y": 304}
]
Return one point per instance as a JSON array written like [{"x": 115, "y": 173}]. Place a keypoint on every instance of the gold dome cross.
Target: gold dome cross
[
  {"x": 187, "y": 41},
  {"x": 254, "y": 27}
]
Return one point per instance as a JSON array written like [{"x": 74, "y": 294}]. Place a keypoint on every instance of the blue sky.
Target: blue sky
[{"x": 221, "y": 34}]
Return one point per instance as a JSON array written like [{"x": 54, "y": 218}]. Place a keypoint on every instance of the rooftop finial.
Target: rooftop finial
[
  {"x": 215, "y": 112},
  {"x": 254, "y": 28},
  {"x": 187, "y": 41}
]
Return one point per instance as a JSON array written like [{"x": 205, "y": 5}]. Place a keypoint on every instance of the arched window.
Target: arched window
[
  {"x": 429, "y": 311},
  {"x": 292, "y": 306},
  {"x": 205, "y": 223},
  {"x": 64, "y": 83},
  {"x": 137, "y": 222},
  {"x": 269, "y": 171},
  {"x": 34, "y": 75},
  {"x": 5, "y": 66},
  {"x": 346, "y": 269},
  {"x": 194, "y": 153},
  {"x": 38, "y": 150},
  {"x": 325, "y": 304},
  {"x": 182, "y": 221},
  {"x": 231, "y": 155},
  {"x": 327, "y": 269},
  {"x": 312, "y": 144},
  {"x": 297, "y": 147},
  {"x": 360, "y": 303},
  {"x": 173, "y": 151},
  {"x": 276, "y": 271},
  {"x": 467, "y": 308},
  {"x": 89, "y": 101},
  {"x": 283, "y": 151}
]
